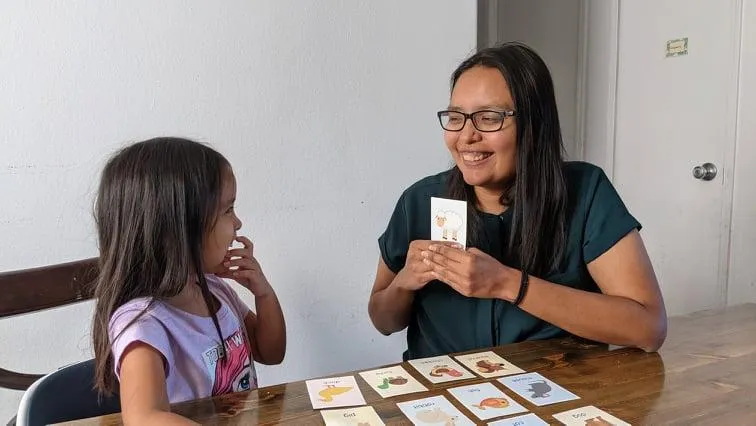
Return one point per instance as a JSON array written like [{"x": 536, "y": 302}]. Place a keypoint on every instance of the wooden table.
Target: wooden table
[{"x": 704, "y": 374}]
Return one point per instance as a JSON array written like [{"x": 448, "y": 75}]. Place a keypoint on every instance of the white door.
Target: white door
[{"x": 673, "y": 114}]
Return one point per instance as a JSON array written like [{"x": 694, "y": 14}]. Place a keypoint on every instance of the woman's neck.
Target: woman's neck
[{"x": 489, "y": 200}]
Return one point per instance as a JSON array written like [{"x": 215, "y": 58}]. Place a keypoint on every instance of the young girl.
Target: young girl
[{"x": 166, "y": 325}]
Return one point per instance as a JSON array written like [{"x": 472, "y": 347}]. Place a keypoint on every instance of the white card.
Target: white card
[
  {"x": 435, "y": 410},
  {"x": 589, "y": 416},
  {"x": 537, "y": 389},
  {"x": 359, "y": 416},
  {"x": 392, "y": 381},
  {"x": 525, "y": 420},
  {"x": 449, "y": 220},
  {"x": 334, "y": 392},
  {"x": 486, "y": 401},
  {"x": 488, "y": 364},
  {"x": 440, "y": 369}
]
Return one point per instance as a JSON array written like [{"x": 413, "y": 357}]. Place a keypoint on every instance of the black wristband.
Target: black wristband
[{"x": 523, "y": 289}]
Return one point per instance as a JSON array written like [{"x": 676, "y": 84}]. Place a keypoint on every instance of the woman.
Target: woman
[{"x": 552, "y": 249}]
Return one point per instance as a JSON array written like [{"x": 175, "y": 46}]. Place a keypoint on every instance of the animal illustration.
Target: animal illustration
[
  {"x": 363, "y": 424},
  {"x": 450, "y": 222},
  {"x": 440, "y": 370},
  {"x": 485, "y": 366},
  {"x": 436, "y": 415},
  {"x": 398, "y": 380},
  {"x": 492, "y": 403},
  {"x": 540, "y": 389},
  {"x": 598, "y": 421},
  {"x": 327, "y": 394}
]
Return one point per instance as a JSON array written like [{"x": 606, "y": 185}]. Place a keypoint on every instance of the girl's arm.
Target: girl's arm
[
  {"x": 267, "y": 329},
  {"x": 144, "y": 398}
]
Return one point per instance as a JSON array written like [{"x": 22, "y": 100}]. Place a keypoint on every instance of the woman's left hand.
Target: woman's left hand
[
  {"x": 248, "y": 271},
  {"x": 470, "y": 272}
]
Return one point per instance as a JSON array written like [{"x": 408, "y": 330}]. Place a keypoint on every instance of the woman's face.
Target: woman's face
[{"x": 486, "y": 159}]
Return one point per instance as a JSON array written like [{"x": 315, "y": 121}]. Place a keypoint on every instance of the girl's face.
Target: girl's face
[
  {"x": 486, "y": 159},
  {"x": 222, "y": 235}
]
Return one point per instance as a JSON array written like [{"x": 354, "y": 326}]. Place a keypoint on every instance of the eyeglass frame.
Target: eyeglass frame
[{"x": 504, "y": 115}]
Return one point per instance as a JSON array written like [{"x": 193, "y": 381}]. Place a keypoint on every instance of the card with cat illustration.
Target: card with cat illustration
[
  {"x": 588, "y": 416},
  {"x": 392, "y": 381},
  {"x": 440, "y": 369}
]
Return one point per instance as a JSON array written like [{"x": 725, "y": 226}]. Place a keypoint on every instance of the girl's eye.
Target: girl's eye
[{"x": 230, "y": 210}]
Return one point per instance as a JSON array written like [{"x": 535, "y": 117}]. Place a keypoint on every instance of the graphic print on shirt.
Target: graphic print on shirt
[{"x": 234, "y": 372}]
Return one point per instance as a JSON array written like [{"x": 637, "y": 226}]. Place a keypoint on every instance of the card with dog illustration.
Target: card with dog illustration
[
  {"x": 488, "y": 364},
  {"x": 588, "y": 416},
  {"x": 486, "y": 401},
  {"x": 435, "y": 410},
  {"x": 392, "y": 381},
  {"x": 360, "y": 416},
  {"x": 537, "y": 389},
  {"x": 449, "y": 220},
  {"x": 524, "y": 420},
  {"x": 334, "y": 392},
  {"x": 440, "y": 369}
]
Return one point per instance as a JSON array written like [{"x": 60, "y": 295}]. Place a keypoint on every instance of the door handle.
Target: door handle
[{"x": 706, "y": 171}]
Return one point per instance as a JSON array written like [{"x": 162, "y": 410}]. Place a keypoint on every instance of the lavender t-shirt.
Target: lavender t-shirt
[{"x": 189, "y": 344}]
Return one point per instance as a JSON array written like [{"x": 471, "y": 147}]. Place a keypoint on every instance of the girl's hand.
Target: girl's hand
[{"x": 246, "y": 270}]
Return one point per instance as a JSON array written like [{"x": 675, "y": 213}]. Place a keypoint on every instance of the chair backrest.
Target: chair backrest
[
  {"x": 30, "y": 290},
  {"x": 65, "y": 395}
]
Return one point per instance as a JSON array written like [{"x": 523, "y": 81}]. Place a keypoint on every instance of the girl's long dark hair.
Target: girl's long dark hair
[
  {"x": 538, "y": 194},
  {"x": 156, "y": 201}
]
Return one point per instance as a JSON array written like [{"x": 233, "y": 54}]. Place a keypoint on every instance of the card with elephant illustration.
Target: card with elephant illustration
[
  {"x": 440, "y": 369},
  {"x": 488, "y": 364},
  {"x": 392, "y": 381},
  {"x": 537, "y": 389}
]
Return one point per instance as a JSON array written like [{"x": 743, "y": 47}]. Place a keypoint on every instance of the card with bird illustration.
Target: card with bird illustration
[
  {"x": 440, "y": 369},
  {"x": 537, "y": 389},
  {"x": 488, "y": 364},
  {"x": 334, "y": 392},
  {"x": 486, "y": 401},
  {"x": 392, "y": 381},
  {"x": 359, "y": 416}
]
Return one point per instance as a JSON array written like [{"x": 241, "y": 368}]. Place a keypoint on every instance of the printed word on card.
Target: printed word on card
[
  {"x": 486, "y": 401},
  {"x": 449, "y": 220},
  {"x": 488, "y": 364},
  {"x": 524, "y": 420},
  {"x": 334, "y": 392},
  {"x": 537, "y": 389},
  {"x": 589, "y": 416},
  {"x": 435, "y": 410},
  {"x": 392, "y": 381},
  {"x": 352, "y": 417},
  {"x": 440, "y": 369}
]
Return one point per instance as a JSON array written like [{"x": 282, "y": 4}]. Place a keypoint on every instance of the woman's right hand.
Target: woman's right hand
[{"x": 416, "y": 274}]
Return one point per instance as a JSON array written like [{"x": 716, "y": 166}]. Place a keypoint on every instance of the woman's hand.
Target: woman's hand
[
  {"x": 471, "y": 272},
  {"x": 416, "y": 272},
  {"x": 247, "y": 271}
]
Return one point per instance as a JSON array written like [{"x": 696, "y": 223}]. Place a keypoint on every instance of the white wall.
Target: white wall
[
  {"x": 742, "y": 274},
  {"x": 551, "y": 28},
  {"x": 325, "y": 109}
]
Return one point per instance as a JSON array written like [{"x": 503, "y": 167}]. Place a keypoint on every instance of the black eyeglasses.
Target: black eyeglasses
[{"x": 484, "y": 120}]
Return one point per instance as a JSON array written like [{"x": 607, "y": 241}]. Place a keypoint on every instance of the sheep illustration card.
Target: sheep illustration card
[
  {"x": 524, "y": 420},
  {"x": 449, "y": 220},
  {"x": 392, "y": 381},
  {"x": 537, "y": 389},
  {"x": 488, "y": 364},
  {"x": 486, "y": 401},
  {"x": 352, "y": 417},
  {"x": 334, "y": 392},
  {"x": 439, "y": 369},
  {"x": 589, "y": 415},
  {"x": 435, "y": 410}
]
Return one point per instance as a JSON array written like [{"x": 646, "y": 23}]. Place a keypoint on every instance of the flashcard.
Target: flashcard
[
  {"x": 360, "y": 416},
  {"x": 524, "y": 420},
  {"x": 589, "y": 416},
  {"x": 449, "y": 220},
  {"x": 334, "y": 392},
  {"x": 488, "y": 364},
  {"x": 537, "y": 389},
  {"x": 486, "y": 401},
  {"x": 440, "y": 369},
  {"x": 435, "y": 410},
  {"x": 392, "y": 381}
]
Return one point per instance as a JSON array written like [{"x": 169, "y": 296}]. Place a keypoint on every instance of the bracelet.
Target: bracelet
[{"x": 523, "y": 289}]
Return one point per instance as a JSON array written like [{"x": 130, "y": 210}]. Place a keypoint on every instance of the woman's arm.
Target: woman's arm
[
  {"x": 390, "y": 304},
  {"x": 144, "y": 398},
  {"x": 629, "y": 312},
  {"x": 267, "y": 330}
]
